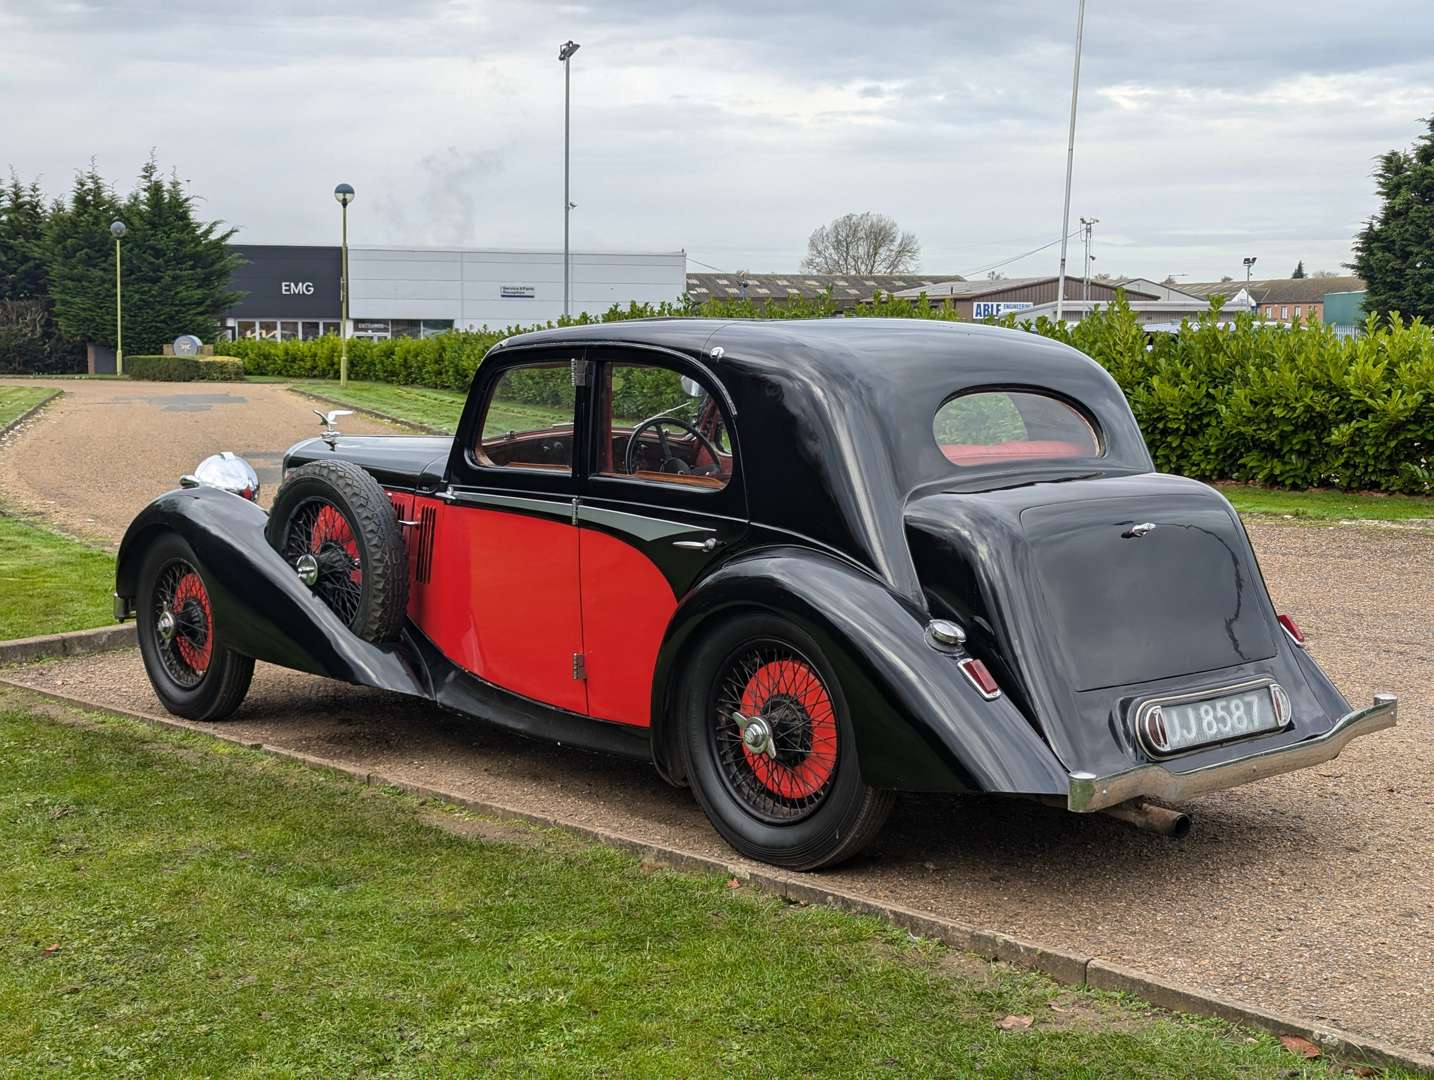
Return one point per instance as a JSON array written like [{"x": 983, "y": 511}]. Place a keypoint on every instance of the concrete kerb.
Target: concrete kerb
[
  {"x": 373, "y": 414},
  {"x": 73, "y": 643},
  {"x": 31, "y": 411},
  {"x": 1061, "y": 965}
]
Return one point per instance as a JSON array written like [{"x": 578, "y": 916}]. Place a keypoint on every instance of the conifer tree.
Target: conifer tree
[{"x": 1395, "y": 251}]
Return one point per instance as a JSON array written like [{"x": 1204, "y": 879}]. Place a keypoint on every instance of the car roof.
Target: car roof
[{"x": 834, "y": 415}]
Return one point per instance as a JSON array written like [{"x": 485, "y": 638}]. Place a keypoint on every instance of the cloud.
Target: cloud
[{"x": 1206, "y": 132}]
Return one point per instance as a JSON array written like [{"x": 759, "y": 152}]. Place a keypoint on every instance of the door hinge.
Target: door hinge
[
  {"x": 580, "y": 666},
  {"x": 580, "y": 372},
  {"x": 575, "y": 511}
]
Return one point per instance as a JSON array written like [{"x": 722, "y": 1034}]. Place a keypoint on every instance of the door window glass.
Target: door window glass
[
  {"x": 990, "y": 426},
  {"x": 658, "y": 425},
  {"x": 528, "y": 419}
]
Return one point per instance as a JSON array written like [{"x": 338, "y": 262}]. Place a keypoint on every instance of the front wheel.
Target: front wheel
[
  {"x": 192, "y": 672},
  {"x": 770, "y": 748}
]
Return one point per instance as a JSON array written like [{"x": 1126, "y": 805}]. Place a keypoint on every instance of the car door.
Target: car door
[
  {"x": 506, "y": 555},
  {"x": 662, "y": 500}
]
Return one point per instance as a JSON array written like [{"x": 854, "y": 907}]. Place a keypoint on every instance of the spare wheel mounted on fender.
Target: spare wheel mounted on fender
[{"x": 335, "y": 525}]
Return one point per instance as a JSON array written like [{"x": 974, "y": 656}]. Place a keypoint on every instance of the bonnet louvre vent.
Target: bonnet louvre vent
[{"x": 427, "y": 526}]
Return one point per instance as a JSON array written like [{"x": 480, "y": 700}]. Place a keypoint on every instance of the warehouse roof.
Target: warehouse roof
[
  {"x": 1305, "y": 290},
  {"x": 843, "y": 287}
]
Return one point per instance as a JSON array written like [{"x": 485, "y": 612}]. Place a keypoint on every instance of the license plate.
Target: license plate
[{"x": 1172, "y": 725}]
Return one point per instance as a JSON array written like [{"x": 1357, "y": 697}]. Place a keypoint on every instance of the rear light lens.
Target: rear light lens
[
  {"x": 1292, "y": 628},
  {"x": 981, "y": 678}
]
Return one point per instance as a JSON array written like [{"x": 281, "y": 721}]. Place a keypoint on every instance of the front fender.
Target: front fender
[
  {"x": 262, "y": 608},
  {"x": 920, "y": 725}
]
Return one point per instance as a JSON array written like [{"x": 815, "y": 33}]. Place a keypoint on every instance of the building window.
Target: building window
[
  {"x": 1285, "y": 311},
  {"x": 1297, "y": 311}
]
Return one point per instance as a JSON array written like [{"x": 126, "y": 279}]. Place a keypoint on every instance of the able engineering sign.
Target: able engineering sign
[{"x": 994, "y": 309}]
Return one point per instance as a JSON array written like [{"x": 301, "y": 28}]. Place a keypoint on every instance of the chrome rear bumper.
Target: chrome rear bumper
[{"x": 1087, "y": 792}]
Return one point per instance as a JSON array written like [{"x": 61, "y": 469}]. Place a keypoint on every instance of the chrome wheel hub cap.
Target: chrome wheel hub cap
[
  {"x": 166, "y": 626},
  {"x": 756, "y": 734},
  {"x": 308, "y": 570}
]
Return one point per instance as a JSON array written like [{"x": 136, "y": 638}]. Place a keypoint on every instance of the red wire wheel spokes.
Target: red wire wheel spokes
[
  {"x": 184, "y": 623},
  {"x": 774, "y": 731},
  {"x": 319, "y": 529}
]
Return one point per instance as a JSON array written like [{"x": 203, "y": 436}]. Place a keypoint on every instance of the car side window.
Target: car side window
[
  {"x": 528, "y": 419},
  {"x": 984, "y": 427},
  {"x": 658, "y": 425}
]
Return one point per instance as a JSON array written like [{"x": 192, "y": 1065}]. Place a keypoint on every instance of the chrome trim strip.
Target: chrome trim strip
[{"x": 1088, "y": 792}]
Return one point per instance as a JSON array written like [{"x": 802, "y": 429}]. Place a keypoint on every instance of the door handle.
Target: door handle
[{"x": 710, "y": 544}]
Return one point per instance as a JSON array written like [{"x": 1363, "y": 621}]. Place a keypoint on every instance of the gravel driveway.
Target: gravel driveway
[
  {"x": 1310, "y": 894},
  {"x": 97, "y": 455}
]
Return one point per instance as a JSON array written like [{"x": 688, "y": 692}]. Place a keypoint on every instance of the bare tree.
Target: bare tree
[{"x": 864, "y": 243}]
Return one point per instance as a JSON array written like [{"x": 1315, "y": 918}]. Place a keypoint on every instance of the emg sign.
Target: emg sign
[{"x": 296, "y": 288}]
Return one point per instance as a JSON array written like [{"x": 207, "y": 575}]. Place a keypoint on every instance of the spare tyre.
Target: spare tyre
[{"x": 336, "y": 527}]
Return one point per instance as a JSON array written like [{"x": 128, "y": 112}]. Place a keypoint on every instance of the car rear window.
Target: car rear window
[{"x": 984, "y": 427}]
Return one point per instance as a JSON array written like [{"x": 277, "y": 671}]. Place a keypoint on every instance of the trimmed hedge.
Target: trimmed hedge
[
  {"x": 1290, "y": 407},
  {"x": 183, "y": 368}
]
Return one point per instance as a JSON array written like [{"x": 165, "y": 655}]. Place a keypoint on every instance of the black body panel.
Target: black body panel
[
  {"x": 920, "y": 725},
  {"x": 407, "y": 462},
  {"x": 981, "y": 567}
]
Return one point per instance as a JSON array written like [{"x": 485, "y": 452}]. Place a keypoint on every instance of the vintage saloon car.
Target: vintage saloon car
[{"x": 799, "y": 565}]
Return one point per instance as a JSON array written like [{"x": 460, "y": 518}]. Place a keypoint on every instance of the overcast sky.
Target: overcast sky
[{"x": 1207, "y": 131}]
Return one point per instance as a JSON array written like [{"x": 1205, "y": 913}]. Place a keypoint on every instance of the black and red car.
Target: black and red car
[{"x": 799, "y": 565}]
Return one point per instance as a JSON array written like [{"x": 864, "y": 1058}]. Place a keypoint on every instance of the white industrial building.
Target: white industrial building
[{"x": 292, "y": 292}]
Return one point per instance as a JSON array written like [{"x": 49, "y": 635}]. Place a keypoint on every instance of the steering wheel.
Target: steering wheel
[{"x": 630, "y": 457}]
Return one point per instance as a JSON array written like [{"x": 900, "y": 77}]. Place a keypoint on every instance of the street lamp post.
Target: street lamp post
[
  {"x": 344, "y": 193},
  {"x": 1070, "y": 162},
  {"x": 565, "y": 55},
  {"x": 1249, "y": 266},
  {"x": 117, "y": 230}
]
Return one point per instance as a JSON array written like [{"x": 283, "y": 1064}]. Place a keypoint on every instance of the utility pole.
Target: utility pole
[
  {"x": 1249, "y": 266},
  {"x": 1087, "y": 225},
  {"x": 1070, "y": 163}
]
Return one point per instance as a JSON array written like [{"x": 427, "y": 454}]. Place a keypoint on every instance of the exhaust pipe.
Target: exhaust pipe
[{"x": 1151, "y": 818}]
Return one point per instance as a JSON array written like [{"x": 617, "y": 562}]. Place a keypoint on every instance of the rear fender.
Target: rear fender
[
  {"x": 261, "y": 606},
  {"x": 920, "y": 725}
]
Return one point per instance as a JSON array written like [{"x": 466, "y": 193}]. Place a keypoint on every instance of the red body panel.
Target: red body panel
[
  {"x": 500, "y": 598},
  {"x": 626, "y": 606}
]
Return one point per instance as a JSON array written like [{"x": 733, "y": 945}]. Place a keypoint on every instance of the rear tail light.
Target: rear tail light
[
  {"x": 1293, "y": 630},
  {"x": 981, "y": 678}
]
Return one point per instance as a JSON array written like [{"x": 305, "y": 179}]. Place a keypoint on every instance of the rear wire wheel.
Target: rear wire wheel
[
  {"x": 779, "y": 759},
  {"x": 769, "y": 746},
  {"x": 337, "y": 528},
  {"x": 192, "y": 672}
]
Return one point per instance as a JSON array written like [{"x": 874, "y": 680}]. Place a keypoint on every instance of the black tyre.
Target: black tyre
[
  {"x": 770, "y": 749},
  {"x": 335, "y": 525},
  {"x": 193, "y": 673}
]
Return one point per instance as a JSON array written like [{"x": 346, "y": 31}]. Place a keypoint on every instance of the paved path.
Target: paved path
[
  {"x": 1309, "y": 894},
  {"x": 98, "y": 454}
]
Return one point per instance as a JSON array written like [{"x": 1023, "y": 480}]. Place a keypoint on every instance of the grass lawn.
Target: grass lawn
[
  {"x": 177, "y": 908},
  {"x": 1327, "y": 505},
  {"x": 15, "y": 400},
  {"x": 50, "y": 583},
  {"x": 415, "y": 404}
]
